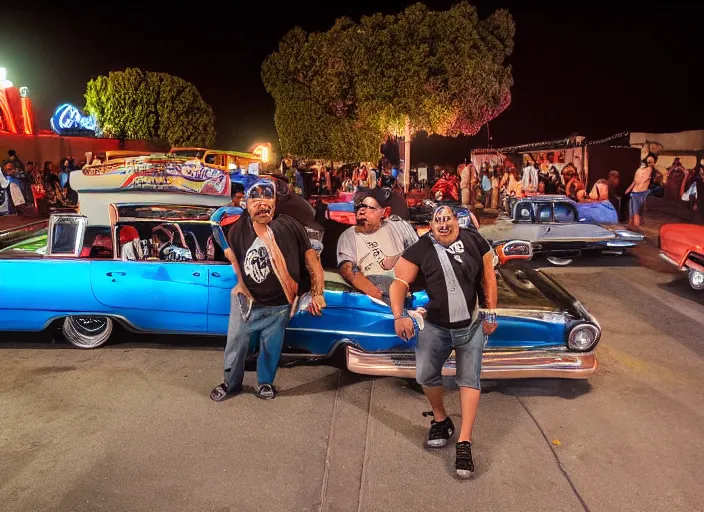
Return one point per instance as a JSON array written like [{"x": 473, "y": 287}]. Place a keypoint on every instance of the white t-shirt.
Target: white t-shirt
[
  {"x": 16, "y": 193},
  {"x": 369, "y": 251}
]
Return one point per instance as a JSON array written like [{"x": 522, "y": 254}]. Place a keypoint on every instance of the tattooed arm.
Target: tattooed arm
[
  {"x": 317, "y": 281},
  {"x": 359, "y": 281}
]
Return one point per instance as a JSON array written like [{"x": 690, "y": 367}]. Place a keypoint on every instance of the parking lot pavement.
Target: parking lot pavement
[{"x": 130, "y": 426}]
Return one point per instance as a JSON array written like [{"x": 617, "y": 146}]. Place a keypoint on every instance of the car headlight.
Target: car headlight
[{"x": 583, "y": 337}]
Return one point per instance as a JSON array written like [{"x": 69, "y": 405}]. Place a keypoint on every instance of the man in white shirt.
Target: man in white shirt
[
  {"x": 530, "y": 177},
  {"x": 367, "y": 252}
]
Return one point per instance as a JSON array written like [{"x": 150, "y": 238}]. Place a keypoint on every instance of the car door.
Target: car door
[
  {"x": 350, "y": 316},
  {"x": 560, "y": 225},
  {"x": 221, "y": 281},
  {"x": 161, "y": 296}
]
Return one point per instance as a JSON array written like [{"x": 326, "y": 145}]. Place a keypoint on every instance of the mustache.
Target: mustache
[{"x": 263, "y": 210}]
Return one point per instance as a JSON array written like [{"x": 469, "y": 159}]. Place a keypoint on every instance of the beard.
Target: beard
[{"x": 363, "y": 226}]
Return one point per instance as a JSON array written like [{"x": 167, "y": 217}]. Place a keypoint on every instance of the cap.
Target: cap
[{"x": 381, "y": 195}]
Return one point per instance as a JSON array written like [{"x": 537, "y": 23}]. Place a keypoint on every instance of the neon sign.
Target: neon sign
[{"x": 68, "y": 118}]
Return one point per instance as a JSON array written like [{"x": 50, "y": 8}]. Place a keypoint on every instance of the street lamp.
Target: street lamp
[{"x": 4, "y": 82}]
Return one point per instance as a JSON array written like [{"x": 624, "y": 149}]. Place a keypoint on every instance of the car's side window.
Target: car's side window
[
  {"x": 523, "y": 212},
  {"x": 564, "y": 213},
  {"x": 97, "y": 243},
  {"x": 544, "y": 213}
]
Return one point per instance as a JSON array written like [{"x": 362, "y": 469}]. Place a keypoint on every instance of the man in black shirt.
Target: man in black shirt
[
  {"x": 267, "y": 253},
  {"x": 455, "y": 263}
]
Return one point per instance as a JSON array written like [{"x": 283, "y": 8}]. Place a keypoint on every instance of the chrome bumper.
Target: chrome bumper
[
  {"x": 671, "y": 261},
  {"x": 506, "y": 364}
]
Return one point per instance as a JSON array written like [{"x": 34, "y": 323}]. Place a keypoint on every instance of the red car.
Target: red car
[{"x": 683, "y": 246}]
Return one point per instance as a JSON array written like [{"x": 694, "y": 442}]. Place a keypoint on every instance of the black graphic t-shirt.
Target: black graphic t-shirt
[
  {"x": 466, "y": 257},
  {"x": 255, "y": 264}
]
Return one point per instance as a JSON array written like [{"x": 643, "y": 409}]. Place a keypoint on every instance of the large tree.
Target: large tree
[
  {"x": 339, "y": 93},
  {"x": 136, "y": 104}
]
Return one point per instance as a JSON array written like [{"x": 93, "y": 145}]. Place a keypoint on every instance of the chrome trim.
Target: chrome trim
[
  {"x": 8, "y": 234},
  {"x": 495, "y": 364},
  {"x": 620, "y": 243},
  {"x": 671, "y": 261},
  {"x": 341, "y": 333}
]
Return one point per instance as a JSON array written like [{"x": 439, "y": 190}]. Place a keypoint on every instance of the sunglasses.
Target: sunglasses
[
  {"x": 362, "y": 205},
  {"x": 261, "y": 192}
]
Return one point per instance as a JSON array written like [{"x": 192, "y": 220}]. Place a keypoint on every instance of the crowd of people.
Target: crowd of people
[
  {"x": 491, "y": 185},
  {"x": 30, "y": 189},
  {"x": 309, "y": 179}
]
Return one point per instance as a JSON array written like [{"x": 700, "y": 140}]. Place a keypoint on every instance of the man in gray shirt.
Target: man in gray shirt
[{"x": 367, "y": 252}]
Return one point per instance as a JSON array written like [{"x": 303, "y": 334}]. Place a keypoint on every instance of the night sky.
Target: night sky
[{"x": 580, "y": 67}]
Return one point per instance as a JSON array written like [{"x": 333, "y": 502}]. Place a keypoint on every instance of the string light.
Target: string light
[{"x": 567, "y": 143}]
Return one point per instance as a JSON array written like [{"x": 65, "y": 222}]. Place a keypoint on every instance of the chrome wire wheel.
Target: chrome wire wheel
[
  {"x": 696, "y": 279},
  {"x": 87, "y": 331}
]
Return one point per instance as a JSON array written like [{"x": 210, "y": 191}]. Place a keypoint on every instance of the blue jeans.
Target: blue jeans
[
  {"x": 268, "y": 323},
  {"x": 435, "y": 344}
]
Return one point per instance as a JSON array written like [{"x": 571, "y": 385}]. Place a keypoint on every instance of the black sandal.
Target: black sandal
[{"x": 219, "y": 393}]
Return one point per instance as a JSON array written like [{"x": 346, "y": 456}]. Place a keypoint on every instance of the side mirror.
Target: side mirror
[{"x": 514, "y": 250}]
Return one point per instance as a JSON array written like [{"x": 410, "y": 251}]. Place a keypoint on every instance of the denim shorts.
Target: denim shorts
[
  {"x": 435, "y": 344},
  {"x": 638, "y": 202}
]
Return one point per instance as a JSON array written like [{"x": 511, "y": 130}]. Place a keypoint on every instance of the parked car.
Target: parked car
[
  {"x": 683, "y": 246},
  {"x": 75, "y": 276},
  {"x": 557, "y": 231}
]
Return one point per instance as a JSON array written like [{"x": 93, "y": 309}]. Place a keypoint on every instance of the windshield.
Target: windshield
[{"x": 191, "y": 153}]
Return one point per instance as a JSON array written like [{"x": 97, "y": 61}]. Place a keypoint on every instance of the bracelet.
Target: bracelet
[
  {"x": 489, "y": 316},
  {"x": 403, "y": 315}
]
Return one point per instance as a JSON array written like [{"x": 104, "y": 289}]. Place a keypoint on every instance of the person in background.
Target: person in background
[
  {"x": 237, "y": 194},
  {"x": 455, "y": 263},
  {"x": 495, "y": 187},
  {"x": 26, "y": 181},
  {"x": 486, "y": 188},
  {"x": 530, "y": 177},
  {"x": 14, "y": 160},
  {"x": 694, "y": 182},
  {"x": 639, "y": 190},
  {"x": 18, "y": 204}
]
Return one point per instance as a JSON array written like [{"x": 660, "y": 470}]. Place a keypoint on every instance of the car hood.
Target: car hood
[
  {"x": 678, "y": 239},
  {"x": 574, "y": 232},
  {"x": 523, "y": 288}
]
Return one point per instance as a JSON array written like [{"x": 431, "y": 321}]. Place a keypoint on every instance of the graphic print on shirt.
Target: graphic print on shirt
[
  {"x": 256, "y": 262},
  {"x": 456, "y": 249}
]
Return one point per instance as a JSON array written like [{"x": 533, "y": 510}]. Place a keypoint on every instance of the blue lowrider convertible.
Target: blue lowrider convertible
[{"x": 74, "y": 276}]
